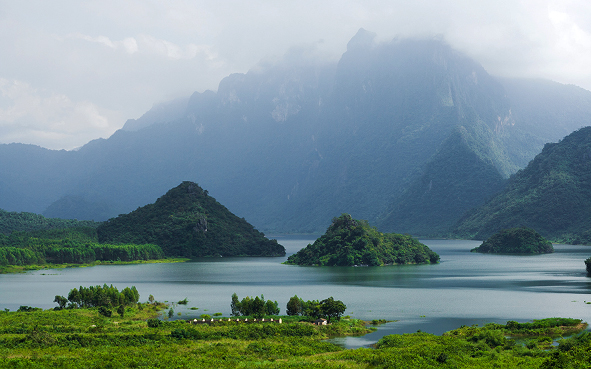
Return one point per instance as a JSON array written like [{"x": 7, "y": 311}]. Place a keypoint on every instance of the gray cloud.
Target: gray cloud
[{"x": 88, "y": 66}]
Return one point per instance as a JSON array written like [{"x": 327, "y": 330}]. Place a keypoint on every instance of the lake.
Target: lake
[{"x": 465, "y": 288}]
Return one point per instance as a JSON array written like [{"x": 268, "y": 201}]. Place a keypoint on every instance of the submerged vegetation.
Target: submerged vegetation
[
  {"x": 516, "y": 241},
  {"x": 349, "y": 242}
]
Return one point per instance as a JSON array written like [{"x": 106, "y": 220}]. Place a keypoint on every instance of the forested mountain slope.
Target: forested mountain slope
[
  {"x": 289, "y": 144},
  {"x": 187, "y": 222},
  {"x": 551, "y": 195},
  {"x": 11, "y": 221}
]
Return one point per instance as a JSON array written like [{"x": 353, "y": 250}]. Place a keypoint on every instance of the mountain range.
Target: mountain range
[
  {"x": 551, "y": 195},
  {"x": 408, "y": 134}
]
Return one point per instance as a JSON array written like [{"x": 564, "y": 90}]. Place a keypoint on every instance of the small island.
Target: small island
[
  {"x": 350, "y": 242},
  {"x": 515, "y": 241}
]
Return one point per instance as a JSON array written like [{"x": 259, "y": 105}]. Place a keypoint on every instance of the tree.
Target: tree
[
  {"x": 258, "y": 307},
  {"x": 311, "y": 308},
  {"x": 170, "y": 313},
  {"x": 61, "y": 301},
  {"x": 235, "y": 305},
  {"x": 121, "y": 310},
  {"x": 332, "y": 309},
  {"x": 74, "y": 297},
  {"x": 105, "y": 312},
  {"x": 271, "y": 308},
  {"x": 294, "y": 306}
]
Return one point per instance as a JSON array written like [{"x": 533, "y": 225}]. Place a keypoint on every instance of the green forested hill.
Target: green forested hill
[
  {"x": 515, "y": 241},
  {"x": 14, "y": 221},
  {"x": 459, "y": 177},
  {"x": 349, "y": 242},
  {"x": 67, "y": 245},
  {"x": 551, "y": 195},
  {"x": 187, "y": 222}
]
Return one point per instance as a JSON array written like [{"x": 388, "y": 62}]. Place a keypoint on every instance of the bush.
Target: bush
[
  {"x": 154, "y": 323},
  {"x": 105, "y": 312}
]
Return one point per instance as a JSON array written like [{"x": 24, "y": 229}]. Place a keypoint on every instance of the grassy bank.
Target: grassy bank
[
  {"x": 26, "y": 268},
  {"x": 81, "y": 338}
]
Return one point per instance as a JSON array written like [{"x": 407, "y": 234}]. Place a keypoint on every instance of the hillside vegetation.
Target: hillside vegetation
[
  {"x": 515, "y": 241},
  {"x": 187, "y": 222},
  {"x": 349, "y": 242},
  {"x": 85, "y": 338},
  {"x": 68, "y": 246},
  {"x": 11, "y": 221},
  {"x": 551, "y": 195}
]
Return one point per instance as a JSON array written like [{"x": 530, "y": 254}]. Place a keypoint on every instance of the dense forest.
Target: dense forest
[
  {"x": 11, "y": 221},
  {"x": 349, "y": 242},
  {"x": 515, "y": 241},
  {"x": 65, "y": 246},
  {"x": 551, "y": 195},
  {"x": 187, "y": 222}
]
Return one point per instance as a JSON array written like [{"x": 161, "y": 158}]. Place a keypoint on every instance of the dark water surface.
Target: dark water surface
[{"x": 465, "y": 288}]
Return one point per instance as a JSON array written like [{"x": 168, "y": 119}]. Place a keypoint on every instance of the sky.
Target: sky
[{"x": 75, "y": 70}]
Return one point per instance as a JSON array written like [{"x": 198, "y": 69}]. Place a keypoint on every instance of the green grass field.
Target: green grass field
[{"x": 81, "y": 338}]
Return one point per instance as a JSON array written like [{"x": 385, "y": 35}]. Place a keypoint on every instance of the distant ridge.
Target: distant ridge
[
  {"x": 551, "y": 195},
  {"x": 187, "y": 222},
  {"x": 11, "y": 221},
  {"x": 408, "y": 134}
]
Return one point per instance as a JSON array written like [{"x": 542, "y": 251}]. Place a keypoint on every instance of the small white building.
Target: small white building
[{"x": 321, "y": 321}]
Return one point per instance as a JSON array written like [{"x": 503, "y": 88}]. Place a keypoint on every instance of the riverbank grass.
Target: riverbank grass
[
  {"x": 5, "y": 269},
  {"x": 81, "y": 338}
]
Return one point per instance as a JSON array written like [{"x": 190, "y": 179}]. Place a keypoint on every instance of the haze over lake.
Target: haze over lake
[{"x": 465, "y": 288}]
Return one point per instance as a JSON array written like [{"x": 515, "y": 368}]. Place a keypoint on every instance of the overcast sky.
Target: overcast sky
[{"x": 75, "y": 70}]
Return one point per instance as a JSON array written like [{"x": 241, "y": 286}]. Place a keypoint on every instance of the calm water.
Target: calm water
[{"x": 465, "y": 288}]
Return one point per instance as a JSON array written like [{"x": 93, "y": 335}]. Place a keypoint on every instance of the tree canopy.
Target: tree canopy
[
  {"x": 349, "y": 242},
  {"x": 516, "y": 241},
  {"x": 187, "y": 222}
]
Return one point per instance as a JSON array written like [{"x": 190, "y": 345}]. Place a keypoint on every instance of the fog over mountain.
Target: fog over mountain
[
  {"x": 408, "y": 134},
  {"x": 74, "y": 71}
]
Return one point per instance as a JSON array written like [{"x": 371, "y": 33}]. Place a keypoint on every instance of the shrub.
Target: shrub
[{"x": 154, "y": 323}]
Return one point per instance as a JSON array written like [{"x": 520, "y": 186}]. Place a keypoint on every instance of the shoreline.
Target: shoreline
[{"x": 13, "y": 269}]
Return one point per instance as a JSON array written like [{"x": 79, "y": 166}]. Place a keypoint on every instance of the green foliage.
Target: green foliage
[
  {"x": 25, "y": 222},
  {"x": 349, "y": 242},
  {"x": 71, "y": 245},
  {"x": 79, "y": 338},
  {"x": 551, "y": 195},
  {"x": 187, "y": 222},
  {"x": 460, "y": 176},
  {"x": 104, "y": 311},
  {"x": 516, "y": 241},
  {"x": 329, "y": 308},
  {"x": 256, "y": 307},
  {"x": 183, "y": 301},
  {"x": 61, "y": 301},
  {"x": 154, "y": 323},
  {"x": 332, "y": 309},
  {"x": 295, "y": 306},
  {"x": 27, "y": 309},
  {"x": 102, "y": 296}
]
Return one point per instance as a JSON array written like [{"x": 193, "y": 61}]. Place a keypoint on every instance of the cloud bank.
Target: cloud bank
[{"x": 74, "y": 71}]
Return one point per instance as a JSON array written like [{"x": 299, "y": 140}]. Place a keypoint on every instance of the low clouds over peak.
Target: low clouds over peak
[{"x": 120, "y": 57}]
